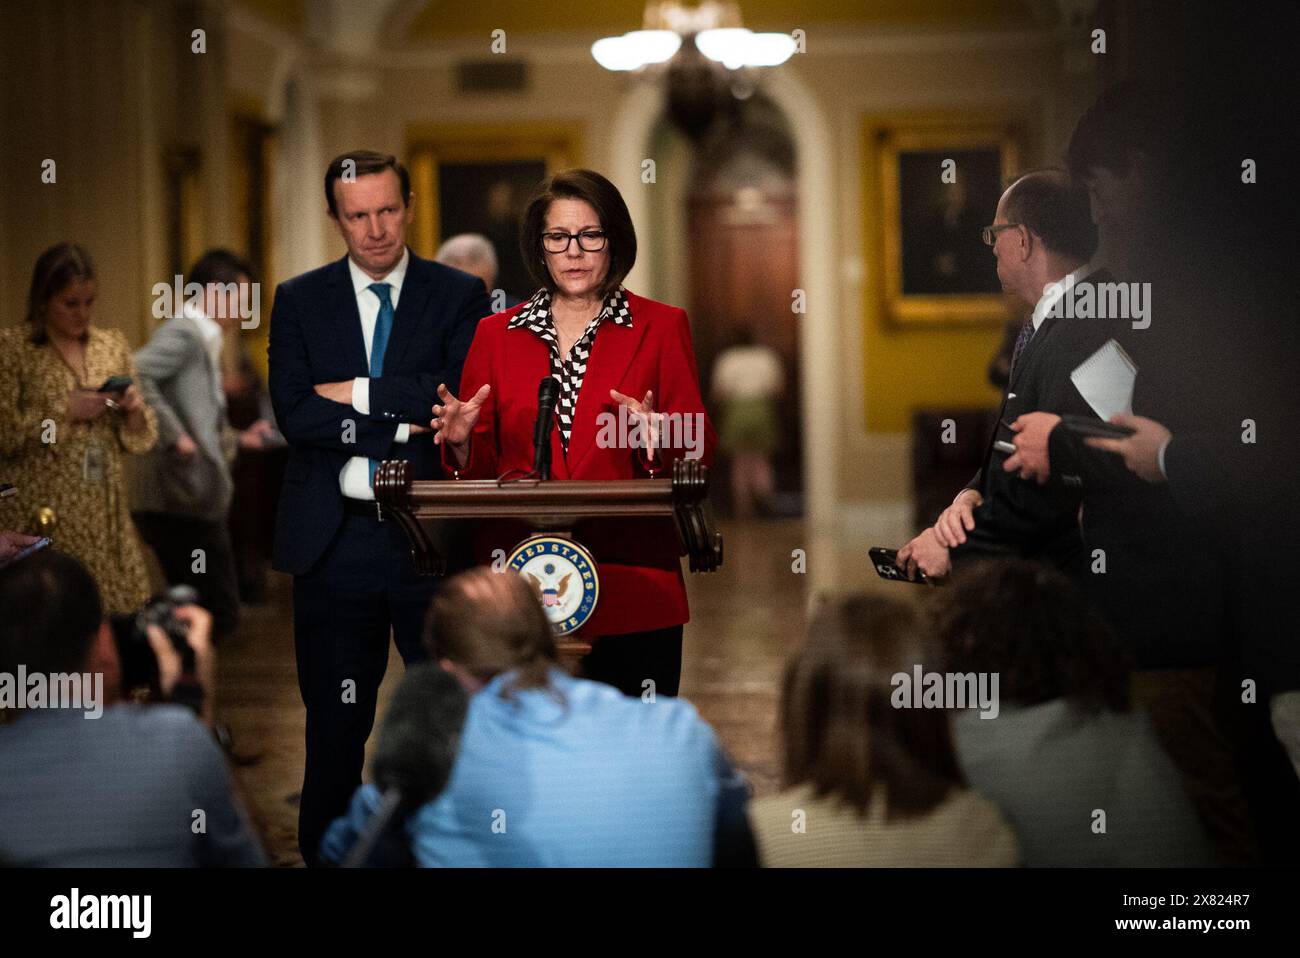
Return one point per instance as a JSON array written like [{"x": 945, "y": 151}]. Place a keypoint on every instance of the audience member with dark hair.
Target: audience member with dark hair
[
  {"x": 554, "y": 770},
  {"x": 868, "y": 783},
  {"x": 63, "y": 438},
  {"x": 1081, "y": 779},
  {"x": 140, "y": 785}
]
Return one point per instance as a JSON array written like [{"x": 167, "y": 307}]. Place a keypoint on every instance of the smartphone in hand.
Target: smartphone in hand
[
  {"x": 35, "y": 547},
  {"x": 886, "y": 564},
  {"x": 115, "y": 384}
]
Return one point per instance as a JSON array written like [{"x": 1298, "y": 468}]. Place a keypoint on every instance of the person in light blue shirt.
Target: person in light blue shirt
[{"x": 554, "y": 770}]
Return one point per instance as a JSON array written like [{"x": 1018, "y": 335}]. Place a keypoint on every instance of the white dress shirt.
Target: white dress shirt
[
  {"x": 354, "y": 480},
  {"x": 212, "y": 334},
  {"x": 1056, "y": 290}
]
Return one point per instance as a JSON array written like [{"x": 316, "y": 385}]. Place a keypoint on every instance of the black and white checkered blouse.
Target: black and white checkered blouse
[{"x": 536, "y": 316}]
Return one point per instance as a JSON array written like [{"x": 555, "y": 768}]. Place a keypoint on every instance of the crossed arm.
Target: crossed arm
[
  {"x": 304, "y": 414},
  {"x": 391, "y": 407}
]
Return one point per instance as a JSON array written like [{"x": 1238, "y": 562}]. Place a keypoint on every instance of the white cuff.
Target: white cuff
[
  {"x": 361, "y": 396},
  {"x": 403, "y": 432},
  {"x": 1160, "y": 456}
]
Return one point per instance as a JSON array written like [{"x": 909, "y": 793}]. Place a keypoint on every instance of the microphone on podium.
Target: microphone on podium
[{"x": 548, "y": 392}]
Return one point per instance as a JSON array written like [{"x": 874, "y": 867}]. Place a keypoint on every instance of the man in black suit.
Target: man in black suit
[
  {"x": 1200, "y": 535},
  {"x": 358, "y": 349},
  {"x": 1043, "y": 238}
]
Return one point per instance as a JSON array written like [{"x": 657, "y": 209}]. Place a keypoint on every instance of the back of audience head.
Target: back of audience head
[
  {"x": 51, "y": 615},
  {"x": 483, "y": 623},
  {"x": 1032, "y": 627},
  {"x": 842, "y": 735}
]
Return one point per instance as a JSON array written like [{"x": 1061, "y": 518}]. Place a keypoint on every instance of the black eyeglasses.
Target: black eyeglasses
[
  {"x": 589, "y": 241},
  {"x": 989, "y": 234}
]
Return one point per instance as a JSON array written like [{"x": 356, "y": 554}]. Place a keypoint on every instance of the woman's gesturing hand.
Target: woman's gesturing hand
[
  {"x": 454, "y": 420},
  {"x": 644, "y": 412}
]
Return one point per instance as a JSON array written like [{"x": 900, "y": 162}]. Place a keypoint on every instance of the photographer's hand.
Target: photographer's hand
[
  {"x": 199, "y": 636},
  {"x": 12, "y": 543}
]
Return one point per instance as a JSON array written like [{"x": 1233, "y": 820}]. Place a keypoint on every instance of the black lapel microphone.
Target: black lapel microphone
[{"x": 548, "y": 392}]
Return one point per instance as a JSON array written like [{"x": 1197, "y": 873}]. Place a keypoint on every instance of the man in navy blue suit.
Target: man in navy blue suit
[{"x": 358, "y": 349}]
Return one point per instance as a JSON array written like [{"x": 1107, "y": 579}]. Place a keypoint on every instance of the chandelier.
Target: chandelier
[
  {"x": 713, "y": 28},
  {"x": 705, "y": 54}
]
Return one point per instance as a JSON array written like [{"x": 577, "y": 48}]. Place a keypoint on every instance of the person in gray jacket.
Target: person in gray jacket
[
  {"x": 1081, "y": 779},
  {"x": 181, "y": 491}
]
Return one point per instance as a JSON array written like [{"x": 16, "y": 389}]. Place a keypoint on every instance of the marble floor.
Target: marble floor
[{"x": 744, "y": 618}]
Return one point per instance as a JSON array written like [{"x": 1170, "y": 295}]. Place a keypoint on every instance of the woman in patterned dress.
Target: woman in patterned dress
[{"x": 61, "y": 440}]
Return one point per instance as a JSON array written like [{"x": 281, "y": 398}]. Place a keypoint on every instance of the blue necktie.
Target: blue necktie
[{"x": 379, "y": 343}]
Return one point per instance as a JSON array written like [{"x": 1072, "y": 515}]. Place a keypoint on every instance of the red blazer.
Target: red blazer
[{"x": 638, "y": 560}]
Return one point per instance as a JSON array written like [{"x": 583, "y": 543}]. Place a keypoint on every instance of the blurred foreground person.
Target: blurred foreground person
[
  {"x": 64, "y": 436},
  {"x": 1216, "y": 402},
  {"x": 89, "y": 781},
  {"x": 1081, "y": 779},
  {"x": 554, "y": 770},
  {"x": 1191, "y": 551},
  {"x": 869, "y": 783}
]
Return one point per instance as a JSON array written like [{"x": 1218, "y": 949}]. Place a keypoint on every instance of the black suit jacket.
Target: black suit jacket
[
  {"x": 316, "y": 337},
  {"x": 1021, "y": 518},
  {"x": 1167, "y": 563}
]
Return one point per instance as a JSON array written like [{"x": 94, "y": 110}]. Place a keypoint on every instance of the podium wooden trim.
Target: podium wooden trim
[{"x": 553, "y": 505}]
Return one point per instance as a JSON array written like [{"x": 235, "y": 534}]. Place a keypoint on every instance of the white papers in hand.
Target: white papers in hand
[{"x": 1105, "y": 380}]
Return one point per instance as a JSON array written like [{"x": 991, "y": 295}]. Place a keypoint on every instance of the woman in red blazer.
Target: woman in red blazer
[{"x": 626, "y": 369}]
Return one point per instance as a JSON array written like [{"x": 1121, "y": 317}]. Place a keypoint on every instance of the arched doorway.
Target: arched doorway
[
  {"x": 743, "y": 255},
  {"x": 631, "y": 144}
]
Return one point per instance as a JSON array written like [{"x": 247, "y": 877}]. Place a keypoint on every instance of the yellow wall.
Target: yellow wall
[
  {"x": 908, "y": 366},
  {"x": 908, "y": 370}
]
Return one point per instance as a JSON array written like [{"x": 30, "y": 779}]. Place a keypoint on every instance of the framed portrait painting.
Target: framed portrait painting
[
  {"x": 937, "y": 185},
  {"x": 477, "y": 178}
]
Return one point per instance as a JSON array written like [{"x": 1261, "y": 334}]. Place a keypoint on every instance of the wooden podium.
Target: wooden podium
[{"x": 551, "y": 506}]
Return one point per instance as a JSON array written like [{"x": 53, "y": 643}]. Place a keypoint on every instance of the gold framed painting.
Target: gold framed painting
[
  {"x": 937, "y": 182},
  {"x": 477, "y": 178}
]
